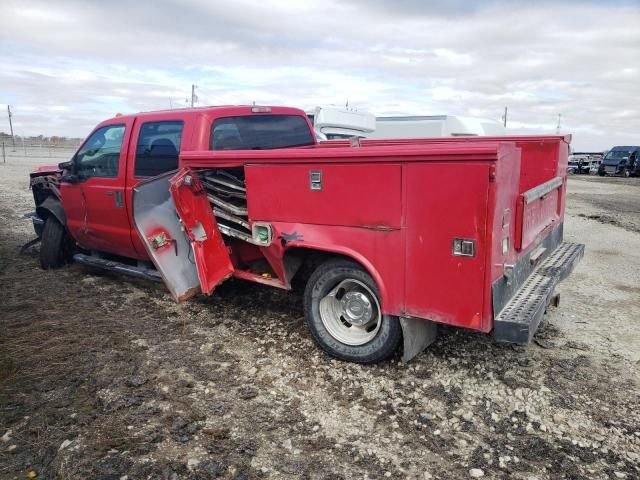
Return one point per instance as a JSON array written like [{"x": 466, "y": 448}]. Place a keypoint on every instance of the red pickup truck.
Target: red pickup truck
[{"x": 391, "y": 237}]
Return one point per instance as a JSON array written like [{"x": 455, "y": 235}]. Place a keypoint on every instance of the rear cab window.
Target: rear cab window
[
  {"x": 158, "y": 148},
  {"x": 260, "y": 132}
]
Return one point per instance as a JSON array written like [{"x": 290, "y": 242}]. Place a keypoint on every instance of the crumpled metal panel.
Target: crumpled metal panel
[
  {"x": 210, "y": 254},
  {"x": 160, "y": 230}
]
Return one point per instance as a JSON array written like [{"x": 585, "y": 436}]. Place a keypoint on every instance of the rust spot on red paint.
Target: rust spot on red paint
[{"x": 189, "y": 293}]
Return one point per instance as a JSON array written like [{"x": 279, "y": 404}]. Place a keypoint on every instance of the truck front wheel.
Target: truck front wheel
[
  {"x": 54, "y": 247},
  {"x": 342, "y": 310}
]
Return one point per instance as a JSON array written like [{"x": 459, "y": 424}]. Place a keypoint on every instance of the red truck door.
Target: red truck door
[
  {"x": 155, "y": 146},
  {"x": 94, "y": 203}
]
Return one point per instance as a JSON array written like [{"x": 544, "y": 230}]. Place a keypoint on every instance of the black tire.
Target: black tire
[
  {"x": 54, "y": 251},
  {"x": 601, "y": 174},
  {"x": 324, "y": 279}
]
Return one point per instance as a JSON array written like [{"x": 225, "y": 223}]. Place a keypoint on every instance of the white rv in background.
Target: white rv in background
[
  {"x": 331, "y": 123},
  {"x": 435, "y": 126}
]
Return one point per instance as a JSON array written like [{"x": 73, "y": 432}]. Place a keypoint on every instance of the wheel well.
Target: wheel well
[
  {"x": 300, "y": 263},
  {"x": 52, "y": 206}
]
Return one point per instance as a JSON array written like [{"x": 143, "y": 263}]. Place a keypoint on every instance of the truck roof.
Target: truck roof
[{"x": 229, "y": 110}]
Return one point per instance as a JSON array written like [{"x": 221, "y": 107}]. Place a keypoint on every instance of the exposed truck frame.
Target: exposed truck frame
[{"x": 391, "y": 237}]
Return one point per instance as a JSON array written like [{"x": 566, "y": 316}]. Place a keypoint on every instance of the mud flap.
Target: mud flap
[
  {"x": 417, "y": 334},
  {"x": 177, "y": 251}
]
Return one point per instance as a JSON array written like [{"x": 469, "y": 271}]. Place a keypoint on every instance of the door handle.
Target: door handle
[{"x": 118, "y": 197}]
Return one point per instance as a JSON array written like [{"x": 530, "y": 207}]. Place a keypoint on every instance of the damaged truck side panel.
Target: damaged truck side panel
[
  {"x": 390, "y": 238},
  {"x": 380, "y": 213},
  {"x": 162, "y": 234}
]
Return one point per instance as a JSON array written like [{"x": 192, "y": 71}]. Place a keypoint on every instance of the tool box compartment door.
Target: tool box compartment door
[
  {"x": 210, "y": 254},
  {"x": 182, "y": 241}
]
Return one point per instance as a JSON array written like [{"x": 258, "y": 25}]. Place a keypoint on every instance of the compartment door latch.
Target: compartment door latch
[{"x": 315, "y": 180}]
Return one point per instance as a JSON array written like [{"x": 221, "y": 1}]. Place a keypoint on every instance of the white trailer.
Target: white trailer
[{"x": 421, "y": 126}]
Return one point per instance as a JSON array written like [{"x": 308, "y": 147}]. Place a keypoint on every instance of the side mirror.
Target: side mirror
[
  {"x": 66, "y": 165},
  {"x": 70, "y": 178}
]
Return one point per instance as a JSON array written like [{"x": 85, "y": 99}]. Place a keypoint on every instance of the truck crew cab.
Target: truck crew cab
[{"x": 390, "y": 237}]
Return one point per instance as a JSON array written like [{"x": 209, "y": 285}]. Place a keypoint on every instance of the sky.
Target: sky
[{"x": 66, "y": 65}]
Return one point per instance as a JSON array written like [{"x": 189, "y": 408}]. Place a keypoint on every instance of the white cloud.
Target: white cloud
[{"x": 66, "y": 65}]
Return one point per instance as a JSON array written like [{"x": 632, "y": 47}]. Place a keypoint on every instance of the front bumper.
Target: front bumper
[
  {"x": 612, "y": 170},
  {"x": 518, "y": 321}
]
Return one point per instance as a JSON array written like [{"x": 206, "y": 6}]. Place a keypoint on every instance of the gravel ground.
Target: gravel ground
[{"x": 105, "y": 377}]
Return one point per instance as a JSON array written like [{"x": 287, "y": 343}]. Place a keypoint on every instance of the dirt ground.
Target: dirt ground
[{"x": 105, "y": 377}]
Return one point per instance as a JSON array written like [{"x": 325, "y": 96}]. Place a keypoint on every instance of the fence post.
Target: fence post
[
  {"x": 24, "y": 147},
  {"x": 4, "y": 158}
]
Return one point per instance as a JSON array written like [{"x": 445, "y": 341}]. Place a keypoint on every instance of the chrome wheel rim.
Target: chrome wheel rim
[{"x": 350, "y": 312}]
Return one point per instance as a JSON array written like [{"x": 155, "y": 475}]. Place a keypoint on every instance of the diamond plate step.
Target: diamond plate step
[{"x": 519, "y": 319}]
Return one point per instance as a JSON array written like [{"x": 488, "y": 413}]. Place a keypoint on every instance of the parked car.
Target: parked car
[
  {"x": 391, "y": 238},
  {"x": 622, "y": 160},
  {"x": 584, "y": 162}
]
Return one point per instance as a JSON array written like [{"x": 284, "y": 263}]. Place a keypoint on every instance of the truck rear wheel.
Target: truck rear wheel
[
  {"x": 342, "y": 310},
  {"x": 54, "y": 251}
]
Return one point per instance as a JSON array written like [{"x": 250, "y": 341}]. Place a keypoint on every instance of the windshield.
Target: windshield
[
  {"x": 260, "y": 132},
  {"x": 616, "y": 156}
]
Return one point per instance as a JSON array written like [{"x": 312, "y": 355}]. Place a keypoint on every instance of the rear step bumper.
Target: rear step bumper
[
  {"x": 520, "y": 317},
  {"x": 140, "y": 272}
]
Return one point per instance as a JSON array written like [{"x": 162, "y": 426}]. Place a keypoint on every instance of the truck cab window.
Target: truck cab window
[
  {"x": 100, "y": 154},
  {"x": 260, "y": 132},
  {"x": 158, "y": 148}
]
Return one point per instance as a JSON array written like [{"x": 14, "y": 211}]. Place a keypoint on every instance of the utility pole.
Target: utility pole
[
  {"x": 13, "y": 140},
  {"x": 194, "y": 97},
  {"x": 558, "y": 127},
  {"x": 504, "y": 118}
]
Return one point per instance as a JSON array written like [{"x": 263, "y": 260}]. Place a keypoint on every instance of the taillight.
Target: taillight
[{"x": 261, "y": 109}]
